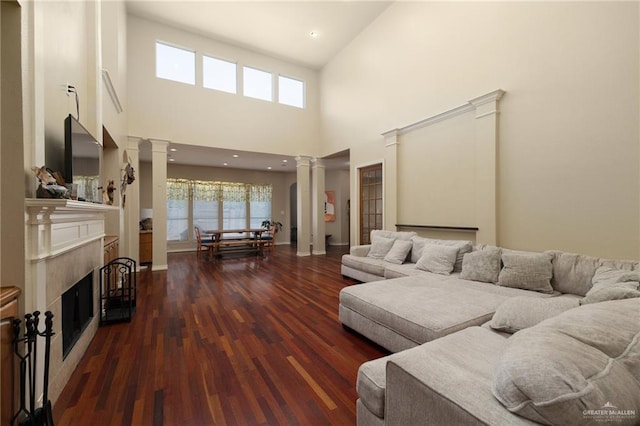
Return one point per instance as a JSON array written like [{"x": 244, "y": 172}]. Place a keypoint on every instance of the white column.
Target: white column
[
  {"x": 317, "y": 206},
  {"x": 390, "y": 179},
  {"x": 159, "y": 179},
  {"x": 304, "y": 206},
  {"x": 486, "y": 108},
  {"x": 132, "y": 200}
]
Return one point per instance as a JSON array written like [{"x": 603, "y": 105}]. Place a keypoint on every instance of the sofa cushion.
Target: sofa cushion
[
  {"x": 482, "y": 265},
  {"x": 399, "y": 251},
  {"x": 587, "y": 358},
  {"x": 380, "y": 246},
  {"x": 437, "y": 258},
  {"x": 419, "y": 243},
  {"x": 572, "y": 273},
  {"x": 610, "y": 283},
  {"x": 518, "y": 313},
  {"x": 607, "y": 276},
  {"x": 529, "y": 271},
  {"x": 424, "y": 307},
  {"x": 609, "y": 293}
]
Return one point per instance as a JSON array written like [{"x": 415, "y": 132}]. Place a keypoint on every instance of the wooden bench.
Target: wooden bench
[{"x": 243, "y": 245}]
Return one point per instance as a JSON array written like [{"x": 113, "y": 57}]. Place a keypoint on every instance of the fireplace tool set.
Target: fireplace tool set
[{"x": 26, "y": 349}]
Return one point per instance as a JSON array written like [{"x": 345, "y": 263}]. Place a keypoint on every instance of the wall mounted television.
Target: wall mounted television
[{"x": 82, "y": 161}]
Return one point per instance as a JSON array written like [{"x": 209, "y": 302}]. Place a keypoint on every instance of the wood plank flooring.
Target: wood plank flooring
[{"x": 244, "y": 340}]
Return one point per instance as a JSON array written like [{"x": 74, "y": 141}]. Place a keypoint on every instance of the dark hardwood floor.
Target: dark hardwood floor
[{"x": 244, "y": 340}]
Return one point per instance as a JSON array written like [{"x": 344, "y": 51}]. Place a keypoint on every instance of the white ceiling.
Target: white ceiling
[
  {"x": 276, "y": 28},
  {"x": 279, "y": 29},
  {"x": 217, "y": 157}
]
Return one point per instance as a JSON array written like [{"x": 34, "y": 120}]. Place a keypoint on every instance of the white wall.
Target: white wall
[
  {"x": 182, "y": 113},
  {"x": 568, "y": 135}
]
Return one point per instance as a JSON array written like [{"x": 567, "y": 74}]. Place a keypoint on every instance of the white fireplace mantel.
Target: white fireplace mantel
[{"x": 57, "y": 226}]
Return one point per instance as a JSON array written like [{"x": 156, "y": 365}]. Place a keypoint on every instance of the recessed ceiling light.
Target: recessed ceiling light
[
  {"x": 235, "y": 156},
  {"x": 172, "y": 149},
  {"x": 225, "y": 164},
  {"x": 172, "y": 159},
  {"x": 284, "y": 161},
  {"x": 269, "y": 167},
  {"x": 314, "y": 34}
]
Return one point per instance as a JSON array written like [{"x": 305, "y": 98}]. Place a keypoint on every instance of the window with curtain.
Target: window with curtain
[
  {"x": 205, "y": 205},
  {"x": 214, "y": 205},
  {"x": 178, "y": 201},
  {"x": 259, "y": 204}
]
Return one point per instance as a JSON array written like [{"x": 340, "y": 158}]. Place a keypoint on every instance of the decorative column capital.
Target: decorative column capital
[
  {"x": 487, "y": 104},
  {"x": 159, "y": 145},
  {"x": 391, "y": 138},
  {"x": 317, "y": 163},
  {"x": 303, "y": 160},
  {"x": 133, "y": 142}
]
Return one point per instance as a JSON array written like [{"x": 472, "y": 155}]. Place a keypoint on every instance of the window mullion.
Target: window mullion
[{"x": 190, "y": 220}]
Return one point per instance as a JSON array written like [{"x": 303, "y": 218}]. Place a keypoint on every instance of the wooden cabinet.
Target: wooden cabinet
[
  {"x": 8, "y": 364},
  {"x": 146, "y": 247},
  {"x": 111, "y": 248}
]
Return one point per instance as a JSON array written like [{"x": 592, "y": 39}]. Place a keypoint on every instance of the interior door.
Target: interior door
[{"x": 370, "y": 201}]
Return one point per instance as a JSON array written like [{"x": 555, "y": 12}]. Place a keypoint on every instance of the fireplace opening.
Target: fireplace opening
[{"x": 77, "y": 312}]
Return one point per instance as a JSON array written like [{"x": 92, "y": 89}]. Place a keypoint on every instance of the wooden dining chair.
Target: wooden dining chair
[
  {"x": 206, "y": 244},
  {"x": 269, "y": 236}
]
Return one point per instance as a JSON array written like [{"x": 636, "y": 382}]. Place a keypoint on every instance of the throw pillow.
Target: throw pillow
[
  {"x": 463, "y": 247},
  {"x": 482, "y": 265},
  {"x": 610, "y": 283},
  {"x": 528, "y": 271},
  {"x": 399, "y": 251},
  {"x": 609, "y": 293},
  {"x": 607, "y": 276},
  {"x": 437, "y": 258},
  {"x": 581, "y": 360},
  {"x": 380, "y": 246},
  {"x": 522, "y": 312}
]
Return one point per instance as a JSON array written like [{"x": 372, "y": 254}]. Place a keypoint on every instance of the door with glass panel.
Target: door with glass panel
[{"x": 370, "y": 201}]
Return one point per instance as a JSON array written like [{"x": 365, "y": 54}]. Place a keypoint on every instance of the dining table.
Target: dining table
[{"x": 241, "y": 240}]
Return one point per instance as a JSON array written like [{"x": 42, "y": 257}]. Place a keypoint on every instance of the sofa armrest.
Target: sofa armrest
[
  {"x": 447, "y": 381},
  {"x": 409, "y": 401},
  {"x": 360, "y": 251}
]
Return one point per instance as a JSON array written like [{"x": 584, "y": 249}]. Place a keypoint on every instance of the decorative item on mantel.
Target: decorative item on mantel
[
  {"x": 50, "y": 186},
  {"x": 107, "y": 195}
]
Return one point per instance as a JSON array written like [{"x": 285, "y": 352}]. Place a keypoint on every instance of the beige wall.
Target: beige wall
[
  {"x": 12, "y": 242},
  {"x": 338, "y": 181},
  {"x": 194, "y": 115},
  {"x": 65, "y": 60},
  {"x": 568, "y": 134}
]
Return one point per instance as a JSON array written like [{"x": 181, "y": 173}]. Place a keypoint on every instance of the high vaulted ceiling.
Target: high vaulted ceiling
[
  {"x": 281, "y": 29},
  {"x": 277, "y": 28}
]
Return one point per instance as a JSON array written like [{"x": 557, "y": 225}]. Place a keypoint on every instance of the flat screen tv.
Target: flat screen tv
[{"x": 82, "y": 161}]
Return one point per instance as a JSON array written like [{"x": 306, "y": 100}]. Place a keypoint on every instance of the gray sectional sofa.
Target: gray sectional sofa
[{"x": 484, "y": 335}]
